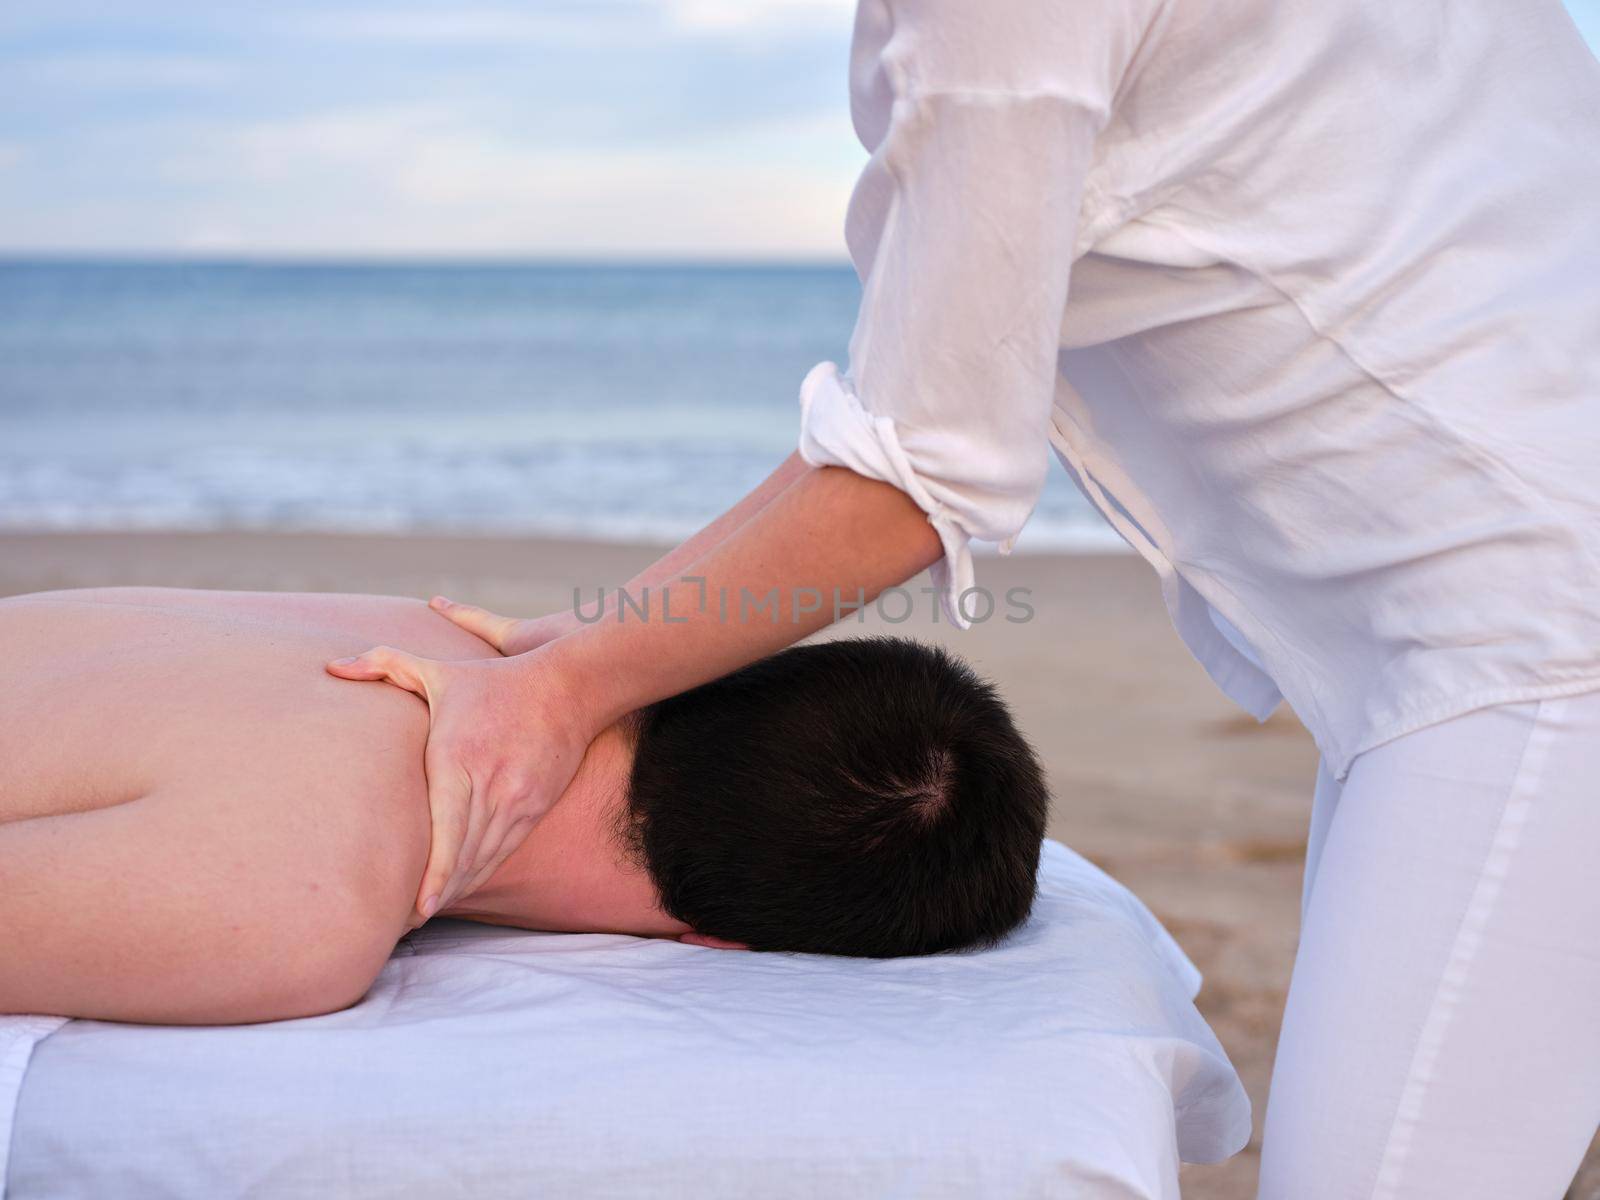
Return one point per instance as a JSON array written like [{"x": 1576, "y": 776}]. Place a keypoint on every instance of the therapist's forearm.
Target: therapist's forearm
[
  {"x": 670, "y": 566},
  {"x": 829, "y": 532}
]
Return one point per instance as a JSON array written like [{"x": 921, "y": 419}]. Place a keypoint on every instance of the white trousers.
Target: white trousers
[{"x": 1442, "y": 1034}]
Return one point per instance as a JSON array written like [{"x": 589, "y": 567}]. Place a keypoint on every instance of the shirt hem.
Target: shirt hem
[{"x": 1340, "y": 764}]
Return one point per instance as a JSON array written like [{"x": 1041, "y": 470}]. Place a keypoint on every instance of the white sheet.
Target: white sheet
[
  {"x": 18, "y": 1036},
  {"x": 1069, "y": 1061}
]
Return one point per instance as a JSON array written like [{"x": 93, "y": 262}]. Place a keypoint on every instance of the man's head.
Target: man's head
[{"x": 865, "y": 797}]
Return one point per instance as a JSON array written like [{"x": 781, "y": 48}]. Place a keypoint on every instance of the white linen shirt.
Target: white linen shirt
[{"x": 1331, "y": 356}]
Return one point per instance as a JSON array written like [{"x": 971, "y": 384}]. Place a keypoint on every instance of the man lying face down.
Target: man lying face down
[
  {"x": 864, "y": 797},
  {"x": 197, "y": 825}
]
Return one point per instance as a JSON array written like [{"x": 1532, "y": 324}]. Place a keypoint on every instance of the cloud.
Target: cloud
[
  {"x": 213, "y": 240},
  {"x": 586, "y": 21},
  {"x": 706, "y": 128},
  {"x": 342, "y": 141},
  {"x": 596, "y": 20},
  {"x": 422, "y": 178},
  {"x": 123, "y": 72},
  {"x": 728, "y": 15}
]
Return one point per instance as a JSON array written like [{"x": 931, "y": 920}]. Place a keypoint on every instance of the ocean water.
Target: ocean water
[{"x": 601, "y": 401}]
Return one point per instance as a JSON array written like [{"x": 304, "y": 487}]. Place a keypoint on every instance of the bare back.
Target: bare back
[{"x": 185, "y": 795}]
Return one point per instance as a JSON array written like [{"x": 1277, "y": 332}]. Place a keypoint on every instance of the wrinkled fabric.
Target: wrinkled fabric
[
  {"x": 1069, "y": 1060},
  {"x": 1302, "y": 295}
]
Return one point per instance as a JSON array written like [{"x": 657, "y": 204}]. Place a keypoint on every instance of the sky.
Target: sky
[{"x": 703, "y": 129}]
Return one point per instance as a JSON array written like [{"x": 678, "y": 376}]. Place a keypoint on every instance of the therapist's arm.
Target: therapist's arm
[
  {"x": 507, "y": 735},
  {"x": 511, "y": 635},
  {"x": 674, "y": 563},
  {"x": 830, "y": 533}
]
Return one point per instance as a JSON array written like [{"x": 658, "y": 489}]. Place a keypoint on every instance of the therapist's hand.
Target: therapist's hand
[
  {"x": 504, "y": 740},
  {"x": 509, "y": 635}
]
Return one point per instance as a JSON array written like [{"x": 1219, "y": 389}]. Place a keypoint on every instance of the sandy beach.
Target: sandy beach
[{"x": 1155, "y": 775}]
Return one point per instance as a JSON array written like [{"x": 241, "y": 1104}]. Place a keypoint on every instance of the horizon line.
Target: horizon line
[{"x": 14, "y": 257}]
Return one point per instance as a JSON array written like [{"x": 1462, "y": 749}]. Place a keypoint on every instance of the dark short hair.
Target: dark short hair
[{"x": 867, "y": 796}]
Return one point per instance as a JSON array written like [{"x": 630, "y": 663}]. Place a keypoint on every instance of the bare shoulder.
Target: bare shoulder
[
  {"x": 405, "y": 621},
  {"x": 113, "y": 693}
]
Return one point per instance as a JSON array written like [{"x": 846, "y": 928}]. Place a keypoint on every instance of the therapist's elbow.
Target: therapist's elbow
[{"x": 877, "y": 516}]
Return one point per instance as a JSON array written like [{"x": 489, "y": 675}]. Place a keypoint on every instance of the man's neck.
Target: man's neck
[{"x": 571, "y": 873}]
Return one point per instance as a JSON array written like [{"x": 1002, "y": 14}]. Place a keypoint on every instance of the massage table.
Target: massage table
[{"x": 1068, "y": 1061}]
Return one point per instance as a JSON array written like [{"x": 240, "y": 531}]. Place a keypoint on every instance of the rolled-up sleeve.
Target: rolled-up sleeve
[{"x": 981, "y": 122}]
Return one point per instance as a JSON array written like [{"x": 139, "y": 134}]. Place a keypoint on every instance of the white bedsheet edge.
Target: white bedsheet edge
[
  {"x": 18, "y": 1037},
  {"x": 20, "y": 1034}
]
